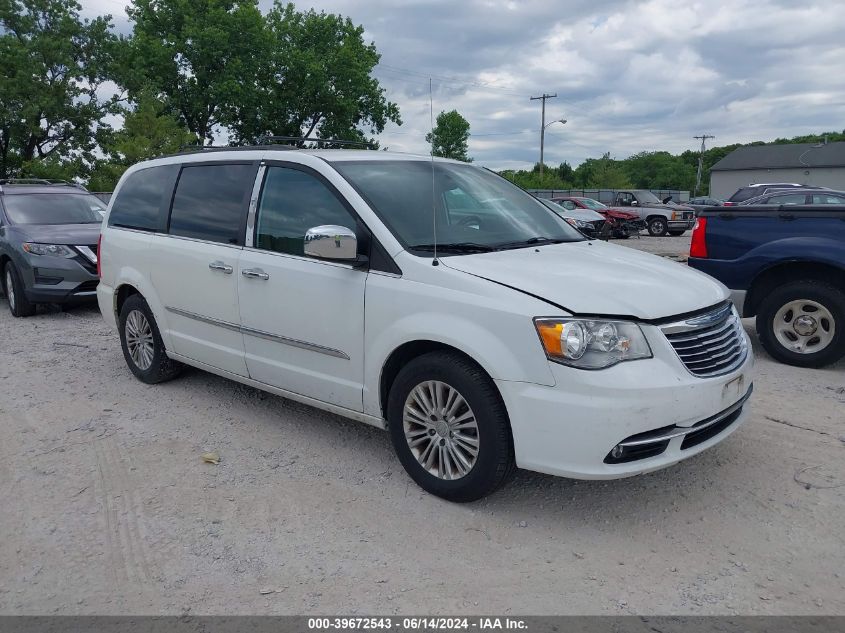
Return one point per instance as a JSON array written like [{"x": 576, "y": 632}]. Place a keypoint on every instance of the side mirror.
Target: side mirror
[
  {"x": 331, "y": 242},
  {"x": 634, "y": 202}
]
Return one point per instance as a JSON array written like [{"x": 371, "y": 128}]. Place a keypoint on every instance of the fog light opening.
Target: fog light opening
[{"x": 616, "y": 451}]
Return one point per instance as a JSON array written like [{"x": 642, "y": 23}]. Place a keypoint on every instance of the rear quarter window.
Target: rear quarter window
[
  {"x": 141, "y": 202},
  {"x": 211, "y": 202}
]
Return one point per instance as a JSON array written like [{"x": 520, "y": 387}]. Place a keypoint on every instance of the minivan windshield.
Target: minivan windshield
[
  {"x": 474, "y": 209},
  {"x": 54, "y": 208}
]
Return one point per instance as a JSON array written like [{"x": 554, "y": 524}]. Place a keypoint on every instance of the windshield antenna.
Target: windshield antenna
[{"x": 434, "y": 261}]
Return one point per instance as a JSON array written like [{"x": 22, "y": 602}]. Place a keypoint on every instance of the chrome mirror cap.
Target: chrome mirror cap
[{"x": 331, "y": 242}]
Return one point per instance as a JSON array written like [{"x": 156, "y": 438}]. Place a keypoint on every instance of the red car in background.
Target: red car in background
[{"x": 623, "y": 223}]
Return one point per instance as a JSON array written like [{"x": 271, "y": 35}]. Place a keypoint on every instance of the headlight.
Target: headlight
[
  {"x": 591, "y": 344},
  {"x": 578, "y": 224},
  {"x": 56, "y": 250}
]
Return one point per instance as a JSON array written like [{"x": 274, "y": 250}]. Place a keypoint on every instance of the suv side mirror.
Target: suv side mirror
[
  {"x": 331, "y": 242},
  {"x": 634, "y": 202}
]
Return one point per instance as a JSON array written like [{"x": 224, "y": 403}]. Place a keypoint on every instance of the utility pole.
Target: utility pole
[
  {"x": 542, "y": 126},
  {"x": 703, "y": 138}
]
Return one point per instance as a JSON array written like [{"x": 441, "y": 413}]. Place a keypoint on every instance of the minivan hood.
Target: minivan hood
[
  {"x": 81, "y": 234},
  {"x": 598, "y": 279}
]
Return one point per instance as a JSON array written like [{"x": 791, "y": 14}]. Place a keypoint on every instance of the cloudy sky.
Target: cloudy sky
[{"x": 630, "y": 76}]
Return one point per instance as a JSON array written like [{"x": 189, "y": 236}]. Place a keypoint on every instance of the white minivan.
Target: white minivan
[{"x": 312, "y": 274}]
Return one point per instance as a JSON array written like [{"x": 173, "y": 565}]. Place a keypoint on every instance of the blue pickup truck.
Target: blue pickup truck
[{"x": 786, "y": 266}]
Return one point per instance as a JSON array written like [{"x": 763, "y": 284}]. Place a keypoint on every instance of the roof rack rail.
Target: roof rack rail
[
  {"x": 41, "y": 181},
  {"x": 268, "y": 140},
  {"x": 185, "y": 147},
  {"x": 25, "y": 181}
]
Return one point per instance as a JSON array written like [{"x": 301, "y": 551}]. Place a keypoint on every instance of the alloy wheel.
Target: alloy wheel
[
  {"x": 139, "y": 340},
  {"x": 804, "y": 326},
  {"x": 441, "y": 430}
]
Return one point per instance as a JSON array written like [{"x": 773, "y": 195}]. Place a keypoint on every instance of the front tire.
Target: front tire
[
  {"x": 142, "y": 346},
  {"x": 802, "y": 323},
  {"x": 657, "y": 227},
  {"x": 449, "y": 427},
  {"x": 19, "y": 305}
]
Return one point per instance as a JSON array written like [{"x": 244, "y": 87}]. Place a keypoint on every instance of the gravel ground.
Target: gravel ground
[{"x": 108, "y": 508}]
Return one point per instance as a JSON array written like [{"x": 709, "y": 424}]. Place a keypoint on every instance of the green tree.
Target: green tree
[
  {"x": 450, "y": 137},
  {"x": 601, "y": 173},
  {"x": 203, "y": 56},
  {"x": 316, "y": 79},
  {"x": 148, "y": 131},
  {"x": 53, "y": 65}
]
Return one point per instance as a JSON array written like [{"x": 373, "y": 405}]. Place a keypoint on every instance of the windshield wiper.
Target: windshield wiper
[
  {"x": 532, "y": 241},
  {"x": 455, "y": 247}
]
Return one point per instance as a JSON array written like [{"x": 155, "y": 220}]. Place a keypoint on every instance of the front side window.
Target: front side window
[
  {"x": 53, "y": 208},
  {"x": 292, "y": 202},
  {"x": 142, "y": 199},
  {"x": 210, "y": 202},
  {"x": 472, "y": 208}
]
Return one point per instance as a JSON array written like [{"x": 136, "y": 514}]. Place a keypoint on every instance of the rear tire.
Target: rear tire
[
  {"x": 13, "y": 285},
  {"x": 142, "y": 346},
  {"x": 800, "y": 316},
  {"x": 466, "y": 411},
  {"x": 657, "y": 227}
]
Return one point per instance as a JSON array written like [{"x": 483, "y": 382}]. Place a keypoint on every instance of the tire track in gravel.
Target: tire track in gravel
[{"x": 129, "y": 562}]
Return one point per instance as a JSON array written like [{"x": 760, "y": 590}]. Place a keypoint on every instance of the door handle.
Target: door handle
[
  {"x": 218, "y": 265},
  {"x": 255, "y": 273}
]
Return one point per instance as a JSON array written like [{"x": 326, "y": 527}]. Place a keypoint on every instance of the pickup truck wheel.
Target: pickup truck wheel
[
  {"x": 802, "y": 323},
  {"x": 142, "y": 346},
  {"x": 449, "y": 427},
  {"x": 657, "y": 227}
]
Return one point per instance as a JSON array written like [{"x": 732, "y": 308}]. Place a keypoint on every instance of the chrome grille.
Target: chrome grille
[{"x": 710, "y": 344}]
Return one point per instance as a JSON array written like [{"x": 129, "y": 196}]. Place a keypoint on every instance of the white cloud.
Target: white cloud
[{"x": 630, "y": 75}]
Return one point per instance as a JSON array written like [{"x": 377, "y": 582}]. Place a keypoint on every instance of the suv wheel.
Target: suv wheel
[
  {"x": 142, "y": 346},
  {"x": 19, "y": 305},
  {"x": 802, "y": 323},
  {"x": 449, "y": 427},
  {"x": 657, "y": 227}
]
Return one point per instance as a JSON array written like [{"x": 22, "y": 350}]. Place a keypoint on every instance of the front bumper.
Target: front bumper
[
  {"x": 58, "y": 280},
  {"x": 572, "y": 428},
  {"x": 677, "y": 225}
]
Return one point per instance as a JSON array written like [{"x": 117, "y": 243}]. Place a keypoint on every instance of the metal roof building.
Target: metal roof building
[{"x": 803, "y": 163}]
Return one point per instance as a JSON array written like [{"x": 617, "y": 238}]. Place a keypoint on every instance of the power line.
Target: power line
[{"x": 703, "y": 138}]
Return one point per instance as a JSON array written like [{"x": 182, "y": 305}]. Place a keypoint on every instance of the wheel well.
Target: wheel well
[
  {"x": 123, "y": 293},
  {"x": 787, "y": 272},
  {"x": 655, "y": 216},
  {"x": 404, "y": 354}
]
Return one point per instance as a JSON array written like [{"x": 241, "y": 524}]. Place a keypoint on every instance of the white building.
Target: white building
[{"x": 821, "y": 164}]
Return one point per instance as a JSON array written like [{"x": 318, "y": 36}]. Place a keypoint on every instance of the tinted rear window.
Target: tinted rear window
[
  {"x": 746, "y": 193},
  {"x": 211, "y": 202},
  {"x": 53, "y": 208},
  {"x": 141, "y": 201}
]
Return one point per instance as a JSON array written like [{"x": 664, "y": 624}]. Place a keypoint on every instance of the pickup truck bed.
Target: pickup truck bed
[{"x": 786, "y": 266}]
